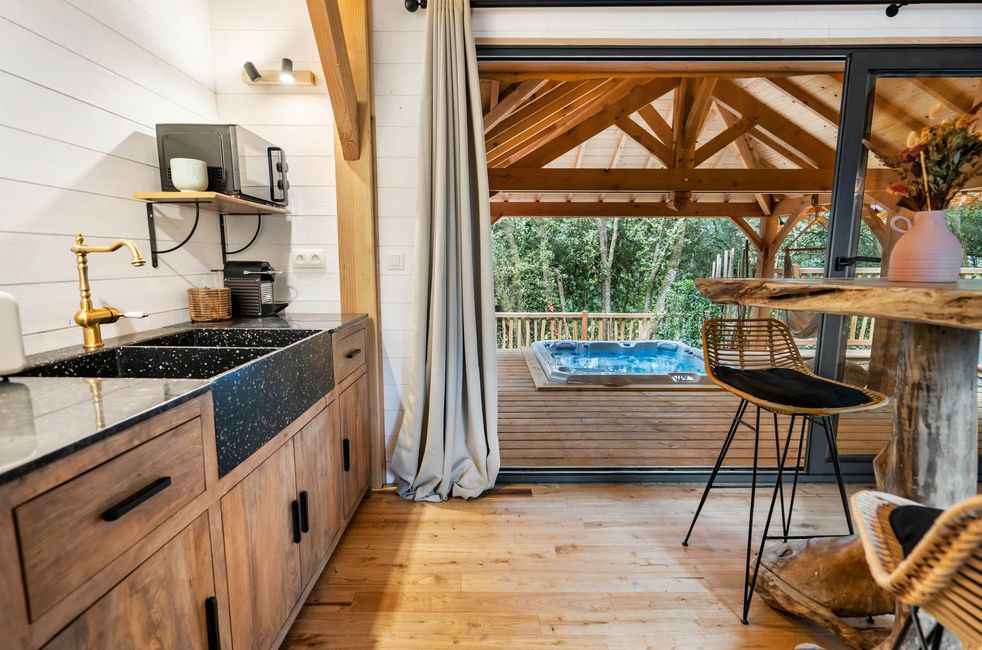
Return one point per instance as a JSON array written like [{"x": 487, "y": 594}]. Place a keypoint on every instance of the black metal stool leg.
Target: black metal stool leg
[
  {"x": 904, "y": 631},
  {"x": 917, "y": 627},
  {"x": 834, "y": 451},
  {"x": 780, "y": 484},
  {"x": 781, "y": 461},
  {"x": 738, "y": 416},
  {"x": 750, "y": 525},
  {"x": 797, "y": 470}
]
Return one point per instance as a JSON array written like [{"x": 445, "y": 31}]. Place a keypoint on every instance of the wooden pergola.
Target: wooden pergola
[{"x": 738, "y": 141}]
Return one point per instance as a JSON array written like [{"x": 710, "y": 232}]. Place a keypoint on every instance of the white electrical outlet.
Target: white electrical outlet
[
  {"x": 395, "y": 262},
  {"x": 308, "y": 258}
]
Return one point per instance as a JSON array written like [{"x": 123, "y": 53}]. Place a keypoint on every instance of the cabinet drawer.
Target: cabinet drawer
[
  {"x": 349, "y": 353},
  {"x": 72, "y": 531}
]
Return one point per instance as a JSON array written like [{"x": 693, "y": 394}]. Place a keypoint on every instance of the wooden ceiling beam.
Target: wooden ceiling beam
[
  {"x": 545, "y": 122},
  {"x": 810, "y": 101},
  {"x": 534, "y": 111},
  {"x": 656, "y": 123},
  {"x": 580, "y": 110},
  {"x": 949, "y": 96},
  {"x": 525, "y": 91},
  {"x": 767, "y": 181},
  {"x": 325, "y": 18},
  {"x": 627, "y": 98},
  {"x": 721, "y": 140},
  {"x": 586, "y": 209},
  {"x": 780, "y": 148},
  {"x": 512, "y": 71},
  {"x": 743, "y": 103},
  {"x": 651, "y": 144},
  {"x": 749, "y": 231},
  {"x": 747, "y": 156}
]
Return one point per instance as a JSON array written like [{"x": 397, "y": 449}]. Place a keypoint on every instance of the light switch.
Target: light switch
[{"x": 395, "y": 262}]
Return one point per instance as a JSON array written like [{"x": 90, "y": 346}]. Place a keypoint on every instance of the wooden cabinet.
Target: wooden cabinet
[
  {"x": 262, "y": 553},
  {"x": 318, "y": 451},
  {"x": 356, "y": 426},
  {"x": 167, "y": 602}
]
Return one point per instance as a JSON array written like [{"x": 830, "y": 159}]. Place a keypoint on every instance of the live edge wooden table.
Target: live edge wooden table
[{"x": 932, "y": 455}]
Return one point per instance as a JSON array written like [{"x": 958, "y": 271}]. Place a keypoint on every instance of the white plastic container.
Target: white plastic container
[{"x": 11, "y": 344}]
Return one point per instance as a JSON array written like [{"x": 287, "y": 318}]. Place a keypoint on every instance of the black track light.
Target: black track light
[
  {"x": 252, "y": 72},
  {"x": 286, "y": 71},
  {"x": 413, "y": 5}
]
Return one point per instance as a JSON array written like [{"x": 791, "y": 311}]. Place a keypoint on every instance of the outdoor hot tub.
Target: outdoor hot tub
[{"x": 620, "y": 363}]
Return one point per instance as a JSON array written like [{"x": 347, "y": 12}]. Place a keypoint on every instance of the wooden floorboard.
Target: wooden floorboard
[
  {"x": 552, "y": 566},
  {"x": 629, "y": 428}
]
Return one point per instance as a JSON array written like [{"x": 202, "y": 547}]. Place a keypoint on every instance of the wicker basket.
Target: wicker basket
[{"x": 209, "y": 304}]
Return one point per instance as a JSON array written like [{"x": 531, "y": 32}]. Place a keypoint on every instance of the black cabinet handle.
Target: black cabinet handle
[
  {"x": 211, "y": 621},
  {"x": 295, "y": 511},
  {"x": 135, "y": 499},
  {"x": 346, "y": 453},
  {"x": 354, "y": 353},
  {"x": 304, "y": 515}
]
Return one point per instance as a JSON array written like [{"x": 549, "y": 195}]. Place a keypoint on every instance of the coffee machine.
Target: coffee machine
[{"x": 252, "y": 288}]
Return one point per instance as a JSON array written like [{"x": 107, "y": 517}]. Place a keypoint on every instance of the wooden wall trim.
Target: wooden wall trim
[{"x": 358, "y": 258}]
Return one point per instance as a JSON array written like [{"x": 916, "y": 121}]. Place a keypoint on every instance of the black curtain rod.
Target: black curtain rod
[{"x": 892, "y": 8}]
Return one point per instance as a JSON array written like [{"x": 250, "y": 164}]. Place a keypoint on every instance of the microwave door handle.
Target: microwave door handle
[{"x": 272, "y": 172}]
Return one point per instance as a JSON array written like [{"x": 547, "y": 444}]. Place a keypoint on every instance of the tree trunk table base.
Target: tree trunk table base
[{"x": 825, "y": 580}]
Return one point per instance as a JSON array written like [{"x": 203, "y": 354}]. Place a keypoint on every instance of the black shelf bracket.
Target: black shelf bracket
[{"x": 156, "y": 252}]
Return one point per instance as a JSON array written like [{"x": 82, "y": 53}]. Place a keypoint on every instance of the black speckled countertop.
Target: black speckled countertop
[{"x": 43, "y": 419}]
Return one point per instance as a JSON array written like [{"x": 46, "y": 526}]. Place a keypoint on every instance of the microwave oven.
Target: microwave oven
[{"x": 239, "y": 161}]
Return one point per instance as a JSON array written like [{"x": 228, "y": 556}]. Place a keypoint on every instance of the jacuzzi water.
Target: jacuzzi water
[{"x": 620, "y": 362}]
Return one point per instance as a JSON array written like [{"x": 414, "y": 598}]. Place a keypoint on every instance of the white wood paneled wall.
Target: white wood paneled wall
[
  {"x": 83, "y": 84},
  {"x": 297, "y": 118}
]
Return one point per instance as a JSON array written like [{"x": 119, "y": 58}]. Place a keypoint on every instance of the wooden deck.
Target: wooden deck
[
  {"x": 596, "y": 567},
  {"x": 629, "y": 428}
]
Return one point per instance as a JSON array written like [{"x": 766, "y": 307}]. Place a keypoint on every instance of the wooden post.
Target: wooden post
[
  {"x": 583, "y": 325},
  {"x": 932, "y": 457},
  {"x": 357, "y": 223}
]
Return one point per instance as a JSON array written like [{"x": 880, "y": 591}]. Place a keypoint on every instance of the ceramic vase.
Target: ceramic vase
[{"x": 927, "y": 251}]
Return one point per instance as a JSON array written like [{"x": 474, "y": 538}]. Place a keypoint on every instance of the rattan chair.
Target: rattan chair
[
  {"x": 757, "y": 360},
  {"x": 941, "y": 574}
]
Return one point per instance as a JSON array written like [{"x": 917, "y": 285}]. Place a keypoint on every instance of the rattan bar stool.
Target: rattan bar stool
[
  {"x": 757, "y": 360},
  {"x": 929, "y": 559}
]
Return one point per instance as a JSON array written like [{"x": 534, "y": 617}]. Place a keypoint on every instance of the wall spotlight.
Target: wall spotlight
[
  {"x": 894, "y": 9},
  {"x": 286, "y": 71},
  {"x": 252, "y": 72}
]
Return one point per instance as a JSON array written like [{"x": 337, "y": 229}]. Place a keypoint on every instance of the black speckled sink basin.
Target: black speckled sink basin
[
  {"x": 151, "y": 362},
  {"x": 231, "y": 338}
]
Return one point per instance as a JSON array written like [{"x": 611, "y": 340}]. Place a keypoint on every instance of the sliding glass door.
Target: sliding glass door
[{"x": 890, "y": 96}]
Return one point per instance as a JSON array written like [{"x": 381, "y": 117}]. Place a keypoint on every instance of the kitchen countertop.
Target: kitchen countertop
[{"x": 43, "y": 419}]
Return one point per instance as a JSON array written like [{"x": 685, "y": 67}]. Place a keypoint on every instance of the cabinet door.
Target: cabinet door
[
  {"x": 164, "y": 603},
  {"x": 261, "y": 556},
  {"x": 355, "y": 431},
  {"x": 319, "y": 484}
]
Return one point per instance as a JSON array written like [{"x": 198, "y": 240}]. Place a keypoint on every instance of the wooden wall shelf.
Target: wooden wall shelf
[{"x": 223, "y": 204}]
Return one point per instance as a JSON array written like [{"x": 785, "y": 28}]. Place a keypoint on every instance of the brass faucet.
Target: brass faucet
[{"x": 88, "y": 317}]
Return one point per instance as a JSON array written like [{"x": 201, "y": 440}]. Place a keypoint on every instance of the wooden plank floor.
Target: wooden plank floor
[
  {"x": 552, "y": 566},
  {"x": 611, "y": 428}
]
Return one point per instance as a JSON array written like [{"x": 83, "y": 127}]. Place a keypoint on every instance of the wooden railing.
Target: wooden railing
[{"x": 521, "y": 329}]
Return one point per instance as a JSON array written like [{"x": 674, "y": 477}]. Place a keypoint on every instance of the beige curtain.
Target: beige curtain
[{"x": 448, "y": 444}]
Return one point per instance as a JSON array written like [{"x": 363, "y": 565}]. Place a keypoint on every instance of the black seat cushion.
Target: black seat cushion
[
  {"x": 911, "y": 523},
  {"x": 792, "y": 388}
]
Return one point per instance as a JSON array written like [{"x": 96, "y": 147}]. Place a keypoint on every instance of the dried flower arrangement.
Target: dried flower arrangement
[{"x": 937, "y": 162}]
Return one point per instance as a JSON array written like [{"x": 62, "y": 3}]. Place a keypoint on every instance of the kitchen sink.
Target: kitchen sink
[
  {"x": 230, "y": 338},
  {"x": 151, "y": 362}
]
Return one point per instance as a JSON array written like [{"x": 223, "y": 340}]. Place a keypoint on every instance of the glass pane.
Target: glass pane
[
  {"x": 903, "y": 109},
  {"x": 613, "y": 263}
]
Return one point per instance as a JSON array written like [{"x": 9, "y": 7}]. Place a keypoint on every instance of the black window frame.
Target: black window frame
[{"x": 863, "y": 64}]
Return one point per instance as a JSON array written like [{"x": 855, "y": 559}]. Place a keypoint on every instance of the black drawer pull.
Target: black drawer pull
[
  {"x": 135, "y": 499},
  {"x": 295, "y": 511},
  {"x": 354, "y": 353},
  {"x": 211, "y": 623},
  {"x": 304, "y": 515},
  {"x": 346, "y": 449}
]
